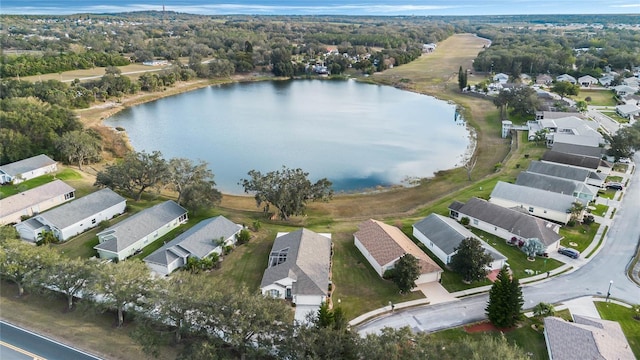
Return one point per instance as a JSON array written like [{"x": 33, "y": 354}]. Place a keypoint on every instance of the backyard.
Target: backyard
[{"x": 625, "y": 317}]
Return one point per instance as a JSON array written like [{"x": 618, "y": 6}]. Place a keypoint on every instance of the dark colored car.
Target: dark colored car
[
  {"x": 572, "y": 253},
  {"x": 615, "y": 186}
]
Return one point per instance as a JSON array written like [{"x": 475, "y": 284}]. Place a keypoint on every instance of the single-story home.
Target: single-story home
[
  {"x": 567, "y": 78},
  {"x": 75, "y": 217},
  {"x": 578, "y": 149},
  {"x": 552, "y": 115},
  {"x": 632, "y": 99},
  {"x": 585, "y": 338},
  {"x": 383, "y": 245},
  {"x": 205, "y": 238},
  {"x": 587, "y": 80},
  {"x": 631, "y": 81},
  {"x": 541, "y": 203},
  {"x": 501, "y": 78},
  {"x": 587, "y": 176},
  {"x": 579, "y": 161},
  {"x": 299, "y": 269},
  {"x": 605, "y": 80},
  {"x": 577, "y": 189},
  {"x": 442, "y": 235},
  {"x": 623, "y": 90},
  {"x": 628, "y": 110},
  {"x": 34, "y": 201},
  {"x": 19, "y": 171},
  {"x": 563, "y": 127},
  {"x": 506, "y": 223},
  {"x": 141, "y": 229},
  {"x": 544, "y": 79}
]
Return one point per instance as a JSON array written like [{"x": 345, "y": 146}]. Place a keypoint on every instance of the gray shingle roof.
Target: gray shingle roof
[
  {"x": 575, "y": 160},
  {"x": 577, "y": 149},
  {"x": 548, "y": 183},
  {"x": 26, "y": 165},
  {"x": 308, "y": 261},
  {"x": 511, "y": 220},
  {"x": 444, "y": 232},
  {"x": 559, "y": 170},
  {"x": 532, "y": 196},
  {"x": 447, "y": 234},
  {"x": 77, "y": 210},
  {"x": 199, "y": 241},
  {"x": 31, "y": 197},
  {"x": 130, "y": 230},
  {"x": 586, "y": 338}
]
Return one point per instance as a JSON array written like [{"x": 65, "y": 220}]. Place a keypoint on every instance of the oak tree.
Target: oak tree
[{"x": 470, "y": 260}]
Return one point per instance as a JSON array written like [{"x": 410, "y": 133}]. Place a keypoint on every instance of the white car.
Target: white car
[{"x": 624, "y": 160}]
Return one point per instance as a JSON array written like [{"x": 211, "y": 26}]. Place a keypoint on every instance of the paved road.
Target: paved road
[
  {"x": 18, "y": 344},
  {"x": 611, "y": 126},
  {"x": 591, "y": 279}
]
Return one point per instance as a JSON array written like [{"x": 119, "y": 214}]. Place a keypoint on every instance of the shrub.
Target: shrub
[
  {"x": 571, "y": 223},
  {"x": 464, "y": 221},
  {"x": 588, "y": 219},
  {"x": 243, "y": 236},
  {"x": 389, "y": 274}
]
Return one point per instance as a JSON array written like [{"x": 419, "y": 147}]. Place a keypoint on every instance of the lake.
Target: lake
[{"x": 357, "y": 135}]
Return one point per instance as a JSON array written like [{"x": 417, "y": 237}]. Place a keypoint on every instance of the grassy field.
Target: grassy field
[
  {"x": 624, "y": 316},
  {"x": 600, "y": 210},
  {"x": 134, "y": 71},
  {"x": 598, "y": 97}
]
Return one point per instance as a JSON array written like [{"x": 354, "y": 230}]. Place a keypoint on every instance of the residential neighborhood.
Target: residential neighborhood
[{"x": 530, "y": 233}]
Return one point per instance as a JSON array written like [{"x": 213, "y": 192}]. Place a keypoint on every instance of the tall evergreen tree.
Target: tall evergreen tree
[
  {"x": 462, "y": 78},
  {"x": 470, "y": 260},
  {"x": 505, "y": 300}
]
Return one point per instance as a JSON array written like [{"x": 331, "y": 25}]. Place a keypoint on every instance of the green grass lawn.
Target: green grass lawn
[
  {"x": 624, "y": 316},
  {"x": 600, "y": 209},
  {"x": 516, "y": 258},
  {"x": 607, "y": 193},
  {"x": 614, "y": 115},
  {"x": 524, "y": 336},
  {"x": 598, "y": 97},
  {"x": 620, "y": 167},
  {"x": 582, "y": 235},
  {"x": 614, "y": 179},
  {"x": 65, "y": 174}
]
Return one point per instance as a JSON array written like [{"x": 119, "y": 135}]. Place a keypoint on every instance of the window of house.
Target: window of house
[
  {"x": 475, "y": 221},
  {"x": 431, "y": 243},
  {"x": 530, "y": 209},
  {"x": 93, "y": 221},
  {"x": 68, "y": 196},
  {"x": 273, "y": 293}
]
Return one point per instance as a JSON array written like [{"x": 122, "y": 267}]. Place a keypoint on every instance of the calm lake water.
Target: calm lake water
[{"x": 357, "y": 135}]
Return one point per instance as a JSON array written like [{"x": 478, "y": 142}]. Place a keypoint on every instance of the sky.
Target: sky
[{"x": 327, "y": 7}]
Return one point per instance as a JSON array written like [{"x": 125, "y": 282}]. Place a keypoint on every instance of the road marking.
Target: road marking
[{"x": 22, "y": 351}]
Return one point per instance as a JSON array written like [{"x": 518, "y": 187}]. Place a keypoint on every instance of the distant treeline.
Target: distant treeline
[{"x": 27, "y": 65}]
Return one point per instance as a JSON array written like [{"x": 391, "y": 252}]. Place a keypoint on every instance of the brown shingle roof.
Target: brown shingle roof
[{"x": 387, "y": 243}]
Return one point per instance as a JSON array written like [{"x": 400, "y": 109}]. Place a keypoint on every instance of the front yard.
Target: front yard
[
  {"x": 624, "y": 316},
  {"x": 580, "y": 235}
]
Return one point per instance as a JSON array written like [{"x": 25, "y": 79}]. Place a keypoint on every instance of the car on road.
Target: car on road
[
  {"x": 572, "y": 253},
  {"x": 614, "y": 185}
]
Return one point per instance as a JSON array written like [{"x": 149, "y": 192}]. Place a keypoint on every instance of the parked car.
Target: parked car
[
  {"x": 615, "y": 186},
  {"x": 624, "y": 160},
  {"x": 572, "y": 253}
]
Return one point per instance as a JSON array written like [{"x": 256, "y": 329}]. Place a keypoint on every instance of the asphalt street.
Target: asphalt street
[
  {"x": 591, "y": 279},
  {"x": 19, "y": 344}
]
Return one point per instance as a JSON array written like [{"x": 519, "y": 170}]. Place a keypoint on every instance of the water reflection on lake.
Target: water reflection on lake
[{"x": 357, "y": 135}]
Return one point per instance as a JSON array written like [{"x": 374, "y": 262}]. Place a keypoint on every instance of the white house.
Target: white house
[
  {"x": 564, "y": 129},
  {"x": 541, "y": 203},
  {"x": 299, "y": 270},
  {"x": 606, "y": 79},
  {"x": 34, "y": 201},
  {"x": 383, "y": 245},
  {"x": 587, "y": 80},
  {"x": 586, "y": 176},
  {"x": 577, "y": 189},
  {"x": 567, "y": 78},
  {"x": 74, "y": 217},
  {"x": 623, "y": 90},
  {"x": 501, "y": 78},
  {"x": 579, "y": 161},
  {"x": 205, "y": 238},
  {"x": 132, "y": 234},
  {"x": 628, "y": 110},
  {"x": 442, "y": 235},
  {"x": 26, "y": 169},
  {"x": 506, "y": 223}
]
